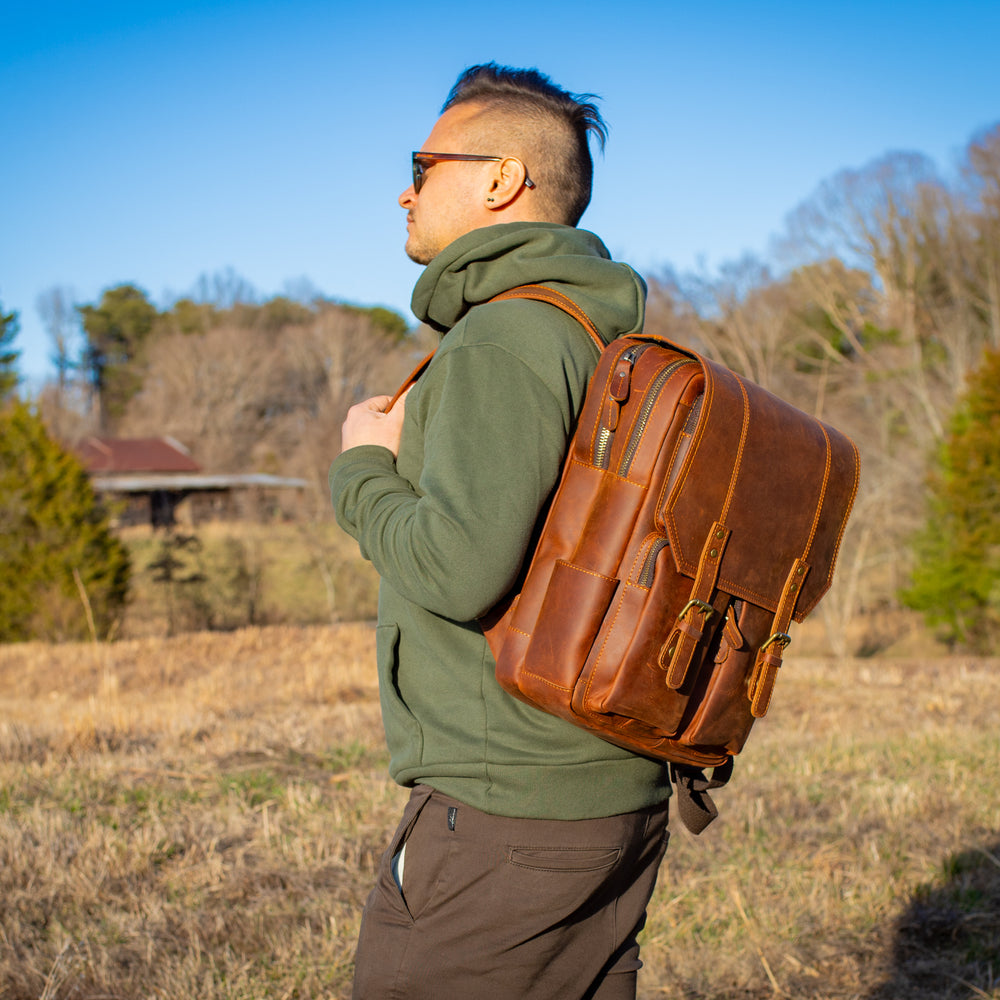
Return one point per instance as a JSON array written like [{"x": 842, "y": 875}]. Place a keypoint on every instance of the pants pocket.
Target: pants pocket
[
  {"x": 386, "y": 880},
  {"x": 564, "y": 859}
]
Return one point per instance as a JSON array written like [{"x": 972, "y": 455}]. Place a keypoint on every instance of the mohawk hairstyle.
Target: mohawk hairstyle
[{"x": 553, "y": 124}]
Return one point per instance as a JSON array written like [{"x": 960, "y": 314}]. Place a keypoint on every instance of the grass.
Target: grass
[{"x": 200, "y": 817}]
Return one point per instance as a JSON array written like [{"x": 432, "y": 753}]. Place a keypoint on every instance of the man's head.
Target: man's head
[{"x": 537, "y": 167}]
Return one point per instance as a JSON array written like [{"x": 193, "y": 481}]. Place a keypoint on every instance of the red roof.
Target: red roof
[{"x": 124, "y": 455}]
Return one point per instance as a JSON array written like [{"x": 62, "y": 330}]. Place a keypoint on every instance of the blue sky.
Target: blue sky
[{"x": 157, "y": 141}]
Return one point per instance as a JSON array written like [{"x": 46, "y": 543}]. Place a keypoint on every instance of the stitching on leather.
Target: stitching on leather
[
  {"x": 589, "y": 572},
  {"x": 600, "y": 654},
  {"x": 822, "y": 492},
  {"x": 854, "y": 494},
  {"x": 661, "y": 500},
  {"x": 738, "y": 461},
  {"x": 708, "y": 400},
  {"x": 641, "y": 555},
  {"x": 606, "y": 472},
  {"x": 545, "y": 680}
]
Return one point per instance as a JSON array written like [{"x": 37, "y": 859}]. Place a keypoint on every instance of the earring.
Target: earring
[{"x": 489, "y": 199}]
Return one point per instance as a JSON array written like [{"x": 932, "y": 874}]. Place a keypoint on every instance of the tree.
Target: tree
[
  {"x": 258, "y": 398},
  {"x": 117, "y": 331},
  {"x": 9, "y": 378},
  {"x": 55, "y": 307},
  {"x": 956, "y": 582},
  {"x": 63, "y": 574},
  {"x": 983, "y": 175}
]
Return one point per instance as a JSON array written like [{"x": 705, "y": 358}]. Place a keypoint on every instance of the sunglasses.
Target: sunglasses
[{"x": 422, "y": 162}]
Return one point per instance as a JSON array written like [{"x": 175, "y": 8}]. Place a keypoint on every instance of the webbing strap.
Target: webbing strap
[{"x": 694, "y": 804}]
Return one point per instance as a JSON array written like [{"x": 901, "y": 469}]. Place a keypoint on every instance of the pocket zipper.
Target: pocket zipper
[{"x": 649, "y": 401}]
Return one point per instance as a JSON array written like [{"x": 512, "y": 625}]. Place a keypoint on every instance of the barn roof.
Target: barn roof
[{"x": 121, "y": 456}]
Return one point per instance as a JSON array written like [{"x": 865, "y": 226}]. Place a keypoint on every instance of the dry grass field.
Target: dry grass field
[{"x": 198, "y": 817}]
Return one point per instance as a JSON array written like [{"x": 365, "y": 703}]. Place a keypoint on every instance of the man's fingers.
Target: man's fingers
[
  {"x": 368, "y": 423},
  {"x": 377, "y": 403}
]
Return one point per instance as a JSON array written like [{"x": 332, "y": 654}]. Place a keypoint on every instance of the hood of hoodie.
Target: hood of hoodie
[{"x": 485, "y": 262}]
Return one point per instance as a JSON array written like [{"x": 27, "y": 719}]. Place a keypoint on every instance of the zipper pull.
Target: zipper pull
[{"x": 618, "y": 390}]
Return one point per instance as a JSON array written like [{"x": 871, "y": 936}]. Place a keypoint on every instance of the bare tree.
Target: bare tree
[
  {"x": 62, "y": 324},
  {"x": 982, "y": 175},
  {"x": 224, "y": 289},
  {"x": 251, "y": 399}
]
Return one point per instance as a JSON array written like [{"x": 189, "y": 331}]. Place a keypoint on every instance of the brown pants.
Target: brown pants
[{"x": 494, "y": 908}]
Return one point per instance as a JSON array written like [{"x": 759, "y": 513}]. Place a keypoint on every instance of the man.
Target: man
[{"x": 528, "y": 851}]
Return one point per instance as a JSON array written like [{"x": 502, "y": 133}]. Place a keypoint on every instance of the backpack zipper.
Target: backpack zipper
[
  {"x": 617, "y": 394},
  {"x": 649, "y": 563},
  {"x": 649, "y": 401}
]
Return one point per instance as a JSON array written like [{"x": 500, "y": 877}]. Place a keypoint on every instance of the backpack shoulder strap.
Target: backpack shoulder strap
[
  {"x": 541, "y": 293},
  {"x": 538, "y": 292},
  {"x": 409, "y": 380}
]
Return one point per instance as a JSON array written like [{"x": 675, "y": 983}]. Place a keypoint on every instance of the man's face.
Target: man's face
[{"x": 451, "y": 199}]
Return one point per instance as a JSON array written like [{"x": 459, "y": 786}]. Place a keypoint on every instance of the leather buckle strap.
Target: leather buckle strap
[
  {"x": 700, "y": 606},
  {"x": 782, "y": 638},
  {"x": 677, "y": 652},
  {"x": 771, "y": 652}
]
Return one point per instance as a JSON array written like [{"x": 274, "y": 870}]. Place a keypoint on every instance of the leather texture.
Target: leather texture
[{"x": 697, "y": 516}]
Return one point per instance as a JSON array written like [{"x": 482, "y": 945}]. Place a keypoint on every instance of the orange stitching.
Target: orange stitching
[
  {"x": 641, "y": 555},
  {"x": 736, "y": 588},
  {"x": 600, "y": 653},
  {"x": 545, "y": 680},
  {"x": 822, "y": 491},
  {"x": 589, "y": 572},
  {"x": 854, "y": 494},
  {"x": 707, "y": 396},
  {"x": 738, "y": 462}
]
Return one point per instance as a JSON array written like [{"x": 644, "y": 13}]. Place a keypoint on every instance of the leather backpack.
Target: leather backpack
[{"x": 697, "y": 516}]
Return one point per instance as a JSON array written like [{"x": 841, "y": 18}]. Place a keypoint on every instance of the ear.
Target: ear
[{"x": 507, "y": 181}]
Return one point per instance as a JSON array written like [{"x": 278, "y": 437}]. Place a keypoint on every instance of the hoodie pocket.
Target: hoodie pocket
[{"x": 402, "y": 730}]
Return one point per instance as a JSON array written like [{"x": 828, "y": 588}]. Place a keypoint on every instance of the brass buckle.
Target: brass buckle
[
  {"x": 700, "y": 606},
  {"x": 782, "y": 638}
]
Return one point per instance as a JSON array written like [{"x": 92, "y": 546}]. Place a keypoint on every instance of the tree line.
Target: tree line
[
  {"x": 878, "y": 310},
  {"x": 247, "y": 385}
]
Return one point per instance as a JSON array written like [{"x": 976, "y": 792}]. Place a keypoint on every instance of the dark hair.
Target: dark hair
[{"x": 552, "y": 126}]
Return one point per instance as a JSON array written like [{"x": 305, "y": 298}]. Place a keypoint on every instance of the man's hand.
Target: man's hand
[{"x": 368, "y": 423}]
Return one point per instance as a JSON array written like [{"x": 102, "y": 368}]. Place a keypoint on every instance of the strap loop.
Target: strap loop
[{"x": 694, "y": 804}]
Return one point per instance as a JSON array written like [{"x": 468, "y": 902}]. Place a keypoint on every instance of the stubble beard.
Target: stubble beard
[
  {"x": 418, "y": 253},
  {"x": 419, "y": 250}
]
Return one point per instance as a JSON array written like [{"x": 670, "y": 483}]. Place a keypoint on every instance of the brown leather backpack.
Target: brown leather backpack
[{"x": 696, "y": 517}]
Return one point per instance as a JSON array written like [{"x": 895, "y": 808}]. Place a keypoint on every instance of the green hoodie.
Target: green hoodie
[{"x": 448, "y": 523}]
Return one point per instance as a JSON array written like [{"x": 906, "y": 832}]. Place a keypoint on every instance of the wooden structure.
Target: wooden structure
[{"x": 161, "y": 471}]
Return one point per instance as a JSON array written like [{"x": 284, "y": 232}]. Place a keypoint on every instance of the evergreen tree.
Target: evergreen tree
[
  {"x": 956, "y": 582},
  {"x": 8, "y": 357},
  {"x": 117, "y": 331},
  {"x": 63, "y": 574}
]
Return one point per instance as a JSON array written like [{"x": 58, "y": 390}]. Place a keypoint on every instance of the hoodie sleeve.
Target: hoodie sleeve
[{"x": 493, "y": 434}]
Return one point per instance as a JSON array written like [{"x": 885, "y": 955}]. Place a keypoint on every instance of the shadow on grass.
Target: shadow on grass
[{"x": 947, "y": 942}]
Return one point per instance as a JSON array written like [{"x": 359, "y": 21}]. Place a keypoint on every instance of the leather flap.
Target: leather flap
[{"x": 781, "y": 481}]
